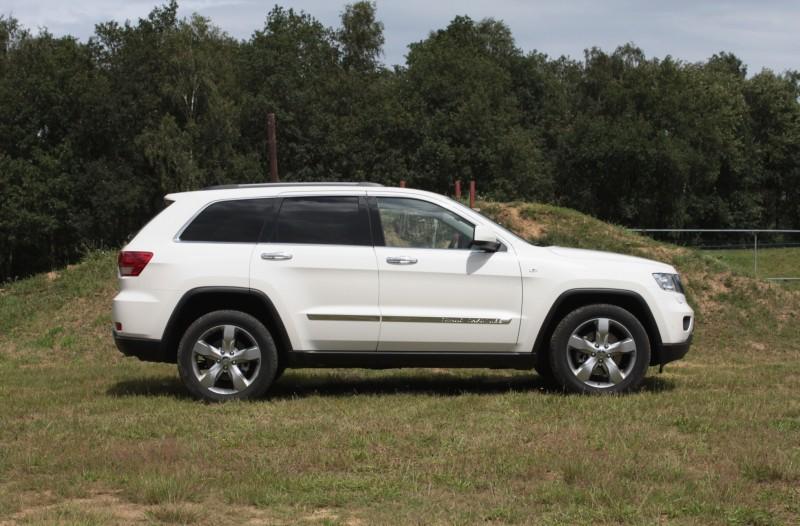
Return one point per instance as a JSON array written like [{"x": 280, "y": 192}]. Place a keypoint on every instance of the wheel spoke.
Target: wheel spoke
[
  {"x": 228, "y": 338},
  {"x": 584, "y": 372},
  {"x": 601, "y": 337},
  {"x": 248, "y": 355},
  {"x": 239, "y": 381},
  {"x": 204, "y": 349},
  {"x": 580, "y": 344},
  {"x": 209, "y": 378},
  {"x": 625, "y": 346},
  {"x": 615, "y": 376}
]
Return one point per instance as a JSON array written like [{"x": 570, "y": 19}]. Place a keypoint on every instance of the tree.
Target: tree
[
  {"x": 360, "y": 37},
  {"x": 469, "y": 125}
]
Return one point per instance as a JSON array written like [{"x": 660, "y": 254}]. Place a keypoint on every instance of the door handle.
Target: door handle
[
  {"x": 275, "y": 256},
  {"x": 401, "y": 260}
]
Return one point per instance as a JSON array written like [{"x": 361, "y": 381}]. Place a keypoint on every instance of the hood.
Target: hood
[{"x": 588, "y": 256}]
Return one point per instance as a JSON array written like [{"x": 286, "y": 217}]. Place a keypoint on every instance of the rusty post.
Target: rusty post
[
  {"x": 273, "y": 148},
  {"x": 402, "y": 183},
  {"x": 458, "y": 189},
  {"x": 472, "y": 193}
]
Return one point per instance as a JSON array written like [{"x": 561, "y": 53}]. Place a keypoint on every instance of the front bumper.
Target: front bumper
[
  {"x": 143, "y": 348},
  {"x": 669, "y": 352}
]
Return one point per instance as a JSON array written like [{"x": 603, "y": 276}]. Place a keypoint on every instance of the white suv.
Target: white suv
[{"x": 236, "y": 283}]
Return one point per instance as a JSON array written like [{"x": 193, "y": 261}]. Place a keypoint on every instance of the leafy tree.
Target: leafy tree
[
  {"x": 360, "y": 37},
  {"x": 93, "y": 134}
]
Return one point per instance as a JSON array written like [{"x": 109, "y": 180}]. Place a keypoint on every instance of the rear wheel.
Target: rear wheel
[
  {"x": 600, "y": 349},
  {"x": 227, "y": 355}
]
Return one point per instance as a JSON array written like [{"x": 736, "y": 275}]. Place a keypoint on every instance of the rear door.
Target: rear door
[
  {"x": 317, "y": 264},
  {"x": 436, "y": 293}
]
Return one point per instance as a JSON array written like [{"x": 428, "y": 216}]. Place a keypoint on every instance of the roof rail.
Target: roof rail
[{"x": 273, "y": 185}]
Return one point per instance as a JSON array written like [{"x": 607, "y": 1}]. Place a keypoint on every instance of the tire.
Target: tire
[
  {"x": 279, "y": 372},
  {"x": 543, "y": 368},
  {"x": 227, "y": 355},
  {"x": 600, "y": 349}
]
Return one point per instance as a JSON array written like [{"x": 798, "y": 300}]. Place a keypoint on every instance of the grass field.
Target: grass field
[
  {"x": 772, "y": 262},
  {"x": 90, "y": 437}
]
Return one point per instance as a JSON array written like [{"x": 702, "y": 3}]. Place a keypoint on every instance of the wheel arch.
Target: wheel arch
[
  {"x": 573, "y": 299},
  {"x": 202, "y": 300}
]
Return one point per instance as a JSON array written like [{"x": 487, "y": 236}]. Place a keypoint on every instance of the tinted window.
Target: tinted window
[
  {"x": 238, "y": 221},
  {"x": 420, "y": 224},
  {"x": 323, "y": 221}
]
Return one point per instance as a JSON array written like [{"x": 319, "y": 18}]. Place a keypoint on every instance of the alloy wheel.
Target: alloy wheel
[
  {"x": 226, "y": 359},
  {"x": 601, "y": 352}
]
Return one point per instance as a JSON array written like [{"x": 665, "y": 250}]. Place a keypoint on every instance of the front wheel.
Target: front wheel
[
  {"x": 600, "y": 349},
  {"x": 227, "y": 355}
]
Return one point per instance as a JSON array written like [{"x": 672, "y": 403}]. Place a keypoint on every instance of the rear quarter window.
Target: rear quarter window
[{"x": 236, "y": 221}]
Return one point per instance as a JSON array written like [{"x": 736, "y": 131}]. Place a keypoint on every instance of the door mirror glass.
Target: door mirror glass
[{"x": 485, "y": 239}]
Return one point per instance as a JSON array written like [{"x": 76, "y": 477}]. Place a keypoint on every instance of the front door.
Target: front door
[{"x": 435, "y": 293}]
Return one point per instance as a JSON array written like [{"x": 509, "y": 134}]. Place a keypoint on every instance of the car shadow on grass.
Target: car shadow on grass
[{"x": 296, "y": 384}]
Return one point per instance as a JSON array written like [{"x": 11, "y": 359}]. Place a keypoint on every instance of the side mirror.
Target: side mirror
[{"x": 484, "y": 239}]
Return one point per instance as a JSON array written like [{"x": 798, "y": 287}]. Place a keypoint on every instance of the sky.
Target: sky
[{"x": 764, "y": 34}]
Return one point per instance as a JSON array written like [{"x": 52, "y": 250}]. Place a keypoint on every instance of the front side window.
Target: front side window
[
  {"x": 323, "y": 221},
  {"x": 420, "y": 224},
  {"x": 237, "y": 221}
]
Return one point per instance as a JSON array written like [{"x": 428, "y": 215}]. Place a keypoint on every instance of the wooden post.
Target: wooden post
[
  {"x": 472, "y": 193},
  {"x": 458, "y": 189},
  {"x": 273, "y": 148}
]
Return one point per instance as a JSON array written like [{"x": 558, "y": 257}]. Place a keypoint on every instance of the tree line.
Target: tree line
[{"x": 94, "y": 133}]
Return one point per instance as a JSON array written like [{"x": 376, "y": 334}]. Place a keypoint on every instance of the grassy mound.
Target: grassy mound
[{"x": 90, "y": 437}]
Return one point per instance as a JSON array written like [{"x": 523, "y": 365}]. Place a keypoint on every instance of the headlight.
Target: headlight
[{"x": 671, "y": 282}]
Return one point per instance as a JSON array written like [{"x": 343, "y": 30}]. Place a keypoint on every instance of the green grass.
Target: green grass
[
  {"x": 772, "y": 262},
  {"x": 90, "y": 437}
]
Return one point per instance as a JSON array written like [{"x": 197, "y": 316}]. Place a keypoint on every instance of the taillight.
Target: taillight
[{"x": 133, "y": 263}]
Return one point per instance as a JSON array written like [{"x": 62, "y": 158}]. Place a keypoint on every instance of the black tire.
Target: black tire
[
  {"x": 247, "y": 332},
  {"x": 280, "y": 371},
  {"x": 543, "y": 368},
  {"x": 620, "y": 326}
]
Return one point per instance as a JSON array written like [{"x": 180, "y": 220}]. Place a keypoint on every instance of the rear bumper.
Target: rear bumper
[
  {"x": 143, "y": 348},
  {"x": 669, "y": 352}
]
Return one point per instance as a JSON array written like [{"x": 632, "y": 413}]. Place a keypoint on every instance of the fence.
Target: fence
[{"x": 721, "y": 231}]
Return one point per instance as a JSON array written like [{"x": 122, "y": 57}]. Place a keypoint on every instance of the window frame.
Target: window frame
[{"x": 270, "y": 215}]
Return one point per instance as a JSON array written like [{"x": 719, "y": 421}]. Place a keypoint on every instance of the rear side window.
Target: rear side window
[
  {"x": 237, "y": 221},
  {"x": 323, "y": 221}
]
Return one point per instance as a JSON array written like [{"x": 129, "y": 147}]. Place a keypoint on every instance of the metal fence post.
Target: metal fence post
[{"x": 755, "y": 254}]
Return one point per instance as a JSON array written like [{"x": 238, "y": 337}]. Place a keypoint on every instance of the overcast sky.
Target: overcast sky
[{"x": 764, "y": 34}]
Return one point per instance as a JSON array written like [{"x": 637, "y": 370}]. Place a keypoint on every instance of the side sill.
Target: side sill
[
  {"x": 142, "y": 348},
  {"x": 400, "y": 359}
]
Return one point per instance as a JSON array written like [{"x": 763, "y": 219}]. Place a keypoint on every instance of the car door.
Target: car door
[
  {"x": 317, "y": 264},
  {"x": 436, "y": 294}
]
